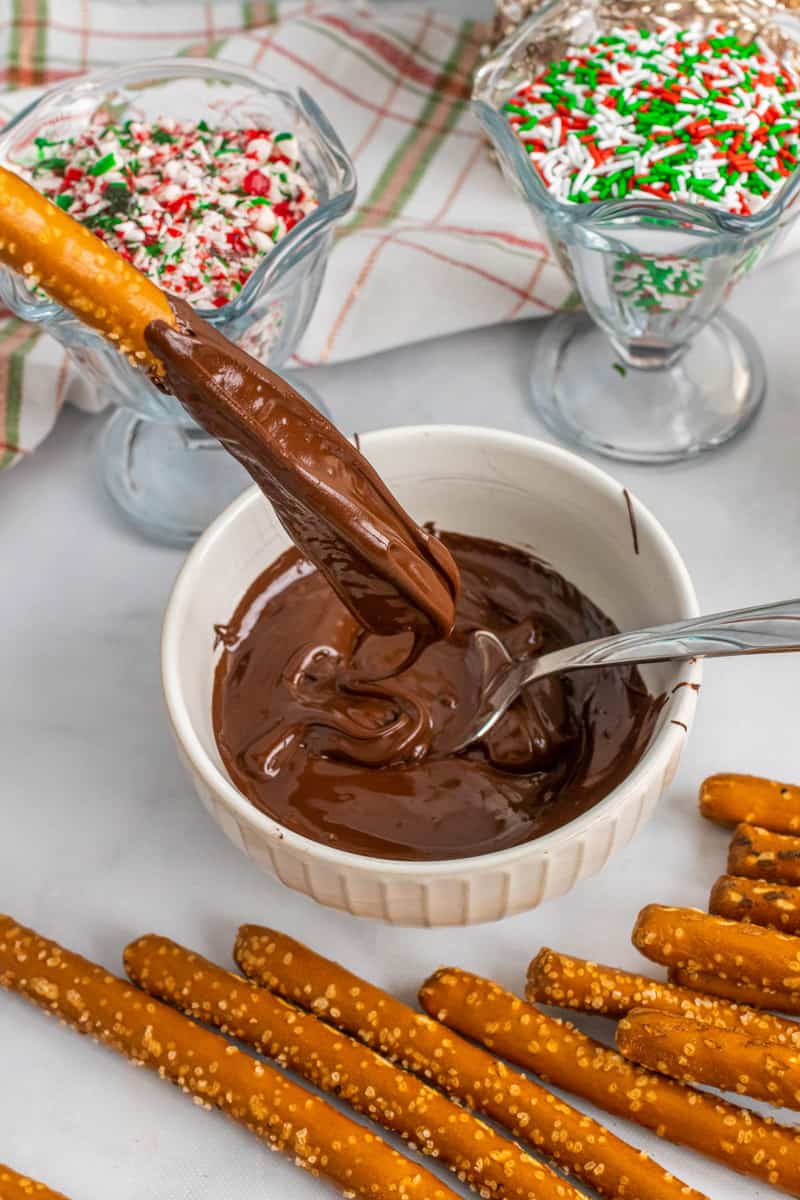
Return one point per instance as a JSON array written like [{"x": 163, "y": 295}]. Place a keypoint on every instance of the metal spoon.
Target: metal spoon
[{"x": 766, "y": 629}]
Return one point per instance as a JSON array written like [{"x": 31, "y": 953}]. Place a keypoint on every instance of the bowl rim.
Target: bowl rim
[{"x": 665, "y": 744}]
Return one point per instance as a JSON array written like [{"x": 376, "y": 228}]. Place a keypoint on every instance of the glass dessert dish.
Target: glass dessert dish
[
  {"x": 651, "y": 370},
  {"x": 162, "y": 470}
]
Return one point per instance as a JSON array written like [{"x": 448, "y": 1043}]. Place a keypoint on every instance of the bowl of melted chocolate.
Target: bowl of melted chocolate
[{"x": 322, "y": 748}]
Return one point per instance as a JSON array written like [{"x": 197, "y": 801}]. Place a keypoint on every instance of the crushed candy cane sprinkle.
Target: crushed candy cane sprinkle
[
  {"x": 194, "y": 208},
  {"x": 695, "y": 115}
]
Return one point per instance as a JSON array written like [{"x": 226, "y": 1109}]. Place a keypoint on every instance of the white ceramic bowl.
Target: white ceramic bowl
[{"x": 476, "y": 481}]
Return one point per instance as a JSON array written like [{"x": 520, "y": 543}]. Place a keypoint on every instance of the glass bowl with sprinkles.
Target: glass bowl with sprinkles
[
  {"x": 658, "y": 147},
  {"x": 223, "y": 188}
]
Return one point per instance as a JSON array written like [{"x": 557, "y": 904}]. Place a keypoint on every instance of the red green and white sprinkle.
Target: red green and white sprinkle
[
  {"x": 194, "y": 208},
  {"x": 693, "y": 115},
  {"x": 657, "y": 284}
]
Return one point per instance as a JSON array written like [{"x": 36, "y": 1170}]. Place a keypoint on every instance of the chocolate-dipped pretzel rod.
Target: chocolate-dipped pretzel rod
[
  {"x": 491, "y": 1164},
  {"x": 47, "y": 246},
  {"x": 697, "y": 1053},
  {"x": 593, "y": 1154},
  {"x": 209, "y": 1068},
  {"x": 569, "y": 1059},
  {"x": 739, "y": 993},
  {"x": 696, "y": 941},
  {"x": 590, "y": 987},
  {"x": 22, "y": 1187},
  {"x": 730, "y": 799},
  {"x": 759, "y": 853},
  {"x": 756, "y": 902},
  {"x": 393, "y": 575}
]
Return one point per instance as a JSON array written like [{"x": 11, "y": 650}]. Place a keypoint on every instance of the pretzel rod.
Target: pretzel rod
[
  {"x": 20, "y": 1187},
  {"x": 697, "y": 1053},
  {"x": 207, "y": 1067},
  {"x": 695, "y": 941},
  {"x": 729, "y": 799},
  {"x": 761, "y": 854},
  {"x": 756, "y": 902},
  {"x": 489, "y": 1163},
  {"x": 569, "y": 1059},
  {"x": 44, "y": 244},
  {"x": 593, "y": 1154},
  {"x": 739, "y": 993},
  {"x": 591, "y": 987}
]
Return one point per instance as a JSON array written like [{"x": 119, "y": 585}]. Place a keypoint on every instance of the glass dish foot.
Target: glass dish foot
[
  {"x": 168, "y": 481},
  {"x": 587, "y": 394}
]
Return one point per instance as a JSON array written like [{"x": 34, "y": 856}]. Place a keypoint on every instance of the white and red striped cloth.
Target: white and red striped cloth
[{"x": 438, "y": 243}]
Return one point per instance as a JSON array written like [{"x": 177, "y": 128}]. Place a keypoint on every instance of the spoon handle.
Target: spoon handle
[{"x": 766, "y": 629}]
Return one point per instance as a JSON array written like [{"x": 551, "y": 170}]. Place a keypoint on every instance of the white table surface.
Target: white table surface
[{"x": 102, "y": 838}]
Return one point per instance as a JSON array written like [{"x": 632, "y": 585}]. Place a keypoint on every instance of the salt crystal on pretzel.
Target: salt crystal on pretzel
[
  {"x": 209, "y": 1068},
  {"x": 590, "y": 987},
  {"x": 44, "y": 244},
  {"x": 20, "y": 1187},
  {"x": 567, "y": 1058},
  {"x": 696, "y": 941},
  {"x": 739, "y": 993},
  {"x": 697, "y": 1053},
  {"x": 491, "y": 1164},
  {"x": 729, "y": 799},
  {"x": 609, "y": 1165},
  {"x": 756, "y": 902},
  {"x": 759, "y": 853}
]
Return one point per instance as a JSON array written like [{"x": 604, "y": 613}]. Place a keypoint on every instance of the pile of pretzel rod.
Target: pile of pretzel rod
[
  {"x": 394, "y": 1065},
  {"x": 731, "y": 971},
  {"x": 432, "y": 1076}
]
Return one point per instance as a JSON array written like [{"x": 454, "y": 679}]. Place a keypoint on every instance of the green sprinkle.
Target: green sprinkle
[
  {"x": 41, "y": 144},
  {"x": 282, "y": 137},
  {"x": 103, "y": 165},
  {"x": 64, "y": 201},
  {"x": 51, "y": 164},
  {"x": 618, "y": 367}
]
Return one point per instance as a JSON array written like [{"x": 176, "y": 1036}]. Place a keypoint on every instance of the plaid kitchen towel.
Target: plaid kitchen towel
[{"x": 437, "y": 241}]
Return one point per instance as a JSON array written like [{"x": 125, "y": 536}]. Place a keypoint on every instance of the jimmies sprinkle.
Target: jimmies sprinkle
[{"x": 692, "y": 115}]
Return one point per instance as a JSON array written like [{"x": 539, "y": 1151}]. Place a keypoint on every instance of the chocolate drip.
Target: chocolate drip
[
  {"x": 391, "y": 574},
  {"x": 365, "y": 767}
]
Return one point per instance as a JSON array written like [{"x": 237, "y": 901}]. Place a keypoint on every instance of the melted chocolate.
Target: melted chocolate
[
  {"x": 364, "y": 766},
  {"x": 391, "y": 574}
]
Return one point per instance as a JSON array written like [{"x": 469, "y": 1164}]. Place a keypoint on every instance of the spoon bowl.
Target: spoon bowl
[{"x": 765, "y": 629}]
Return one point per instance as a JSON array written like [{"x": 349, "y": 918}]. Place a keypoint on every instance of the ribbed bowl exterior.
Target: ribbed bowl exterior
[{"x": 471, "y": 892}]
